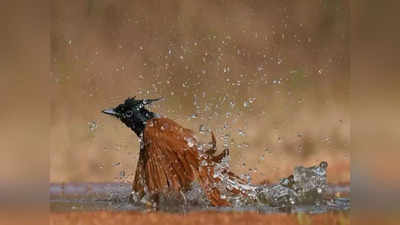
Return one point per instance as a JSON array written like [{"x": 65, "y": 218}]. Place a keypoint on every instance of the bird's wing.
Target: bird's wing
[
  {"x": 169, "y": 160},
  {"x": 166, "y": 160}
]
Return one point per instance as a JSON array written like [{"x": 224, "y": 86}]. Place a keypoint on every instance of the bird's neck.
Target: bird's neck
[{"x": 141, "y": 119}]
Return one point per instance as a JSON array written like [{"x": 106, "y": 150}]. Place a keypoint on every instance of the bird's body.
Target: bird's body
[
  {"x": 165, "y": 159},
  {"x": 170, "y": 161},
  {"x": 171, "y": 158}
]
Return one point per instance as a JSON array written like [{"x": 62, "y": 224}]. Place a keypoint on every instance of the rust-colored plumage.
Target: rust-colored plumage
[{"x": 170, "y": 159}]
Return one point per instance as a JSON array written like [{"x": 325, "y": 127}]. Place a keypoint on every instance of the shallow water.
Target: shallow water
[
  {"x": 304, "y": 191},
  {"x": 114, "y": 196}
]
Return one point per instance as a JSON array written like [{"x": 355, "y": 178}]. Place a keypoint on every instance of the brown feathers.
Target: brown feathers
[{"x": 170, "y": 161}]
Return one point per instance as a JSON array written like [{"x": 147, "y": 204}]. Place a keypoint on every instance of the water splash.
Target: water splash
[
  {"x": 306, "y": 187},
  {"x": 306, "y": 190}
]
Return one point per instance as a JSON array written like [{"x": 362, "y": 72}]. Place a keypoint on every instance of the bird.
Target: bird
[{"x": 170, "y": 157}]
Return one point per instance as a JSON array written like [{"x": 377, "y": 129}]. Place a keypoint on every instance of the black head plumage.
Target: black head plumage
[{"x": 133, "y": 113}]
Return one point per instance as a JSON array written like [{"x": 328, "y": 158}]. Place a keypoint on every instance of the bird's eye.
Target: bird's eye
[{"x": 128, "y": 113}]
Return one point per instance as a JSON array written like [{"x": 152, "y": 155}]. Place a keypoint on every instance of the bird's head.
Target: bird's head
[{"x": 133, "y": 113}]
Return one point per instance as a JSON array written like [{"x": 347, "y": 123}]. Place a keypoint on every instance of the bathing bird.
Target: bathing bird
[{"x": 170, "y": 157}]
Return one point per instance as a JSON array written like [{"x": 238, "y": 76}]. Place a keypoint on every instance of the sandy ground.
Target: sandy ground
[{"x": 211, "y": 218}]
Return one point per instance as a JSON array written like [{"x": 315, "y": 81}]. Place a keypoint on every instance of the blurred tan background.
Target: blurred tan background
[
  {"x": 270, "y": 78},
  {"x": 24, "y": 91},
  {"x": 24, "y": 114}
]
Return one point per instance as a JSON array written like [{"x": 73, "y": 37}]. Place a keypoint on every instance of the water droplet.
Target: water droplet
[
  {"x": 251, "y": 100},
  {"x": 122, "y": 173},
  {"x": 190, "y": 142},
  {"x": 227, "y": 69},
  {"x": 226, "y": 139},
  {"x": 203, "y": 129},
  {"x": 245, "y": 145},
  {"x": 92, "y": 126},
  {"x": 203, "y": 163},
  {"x": 323, "y": 165}
]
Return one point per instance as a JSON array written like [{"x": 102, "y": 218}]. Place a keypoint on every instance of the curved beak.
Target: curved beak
[{"x": 110, "y": 112}]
